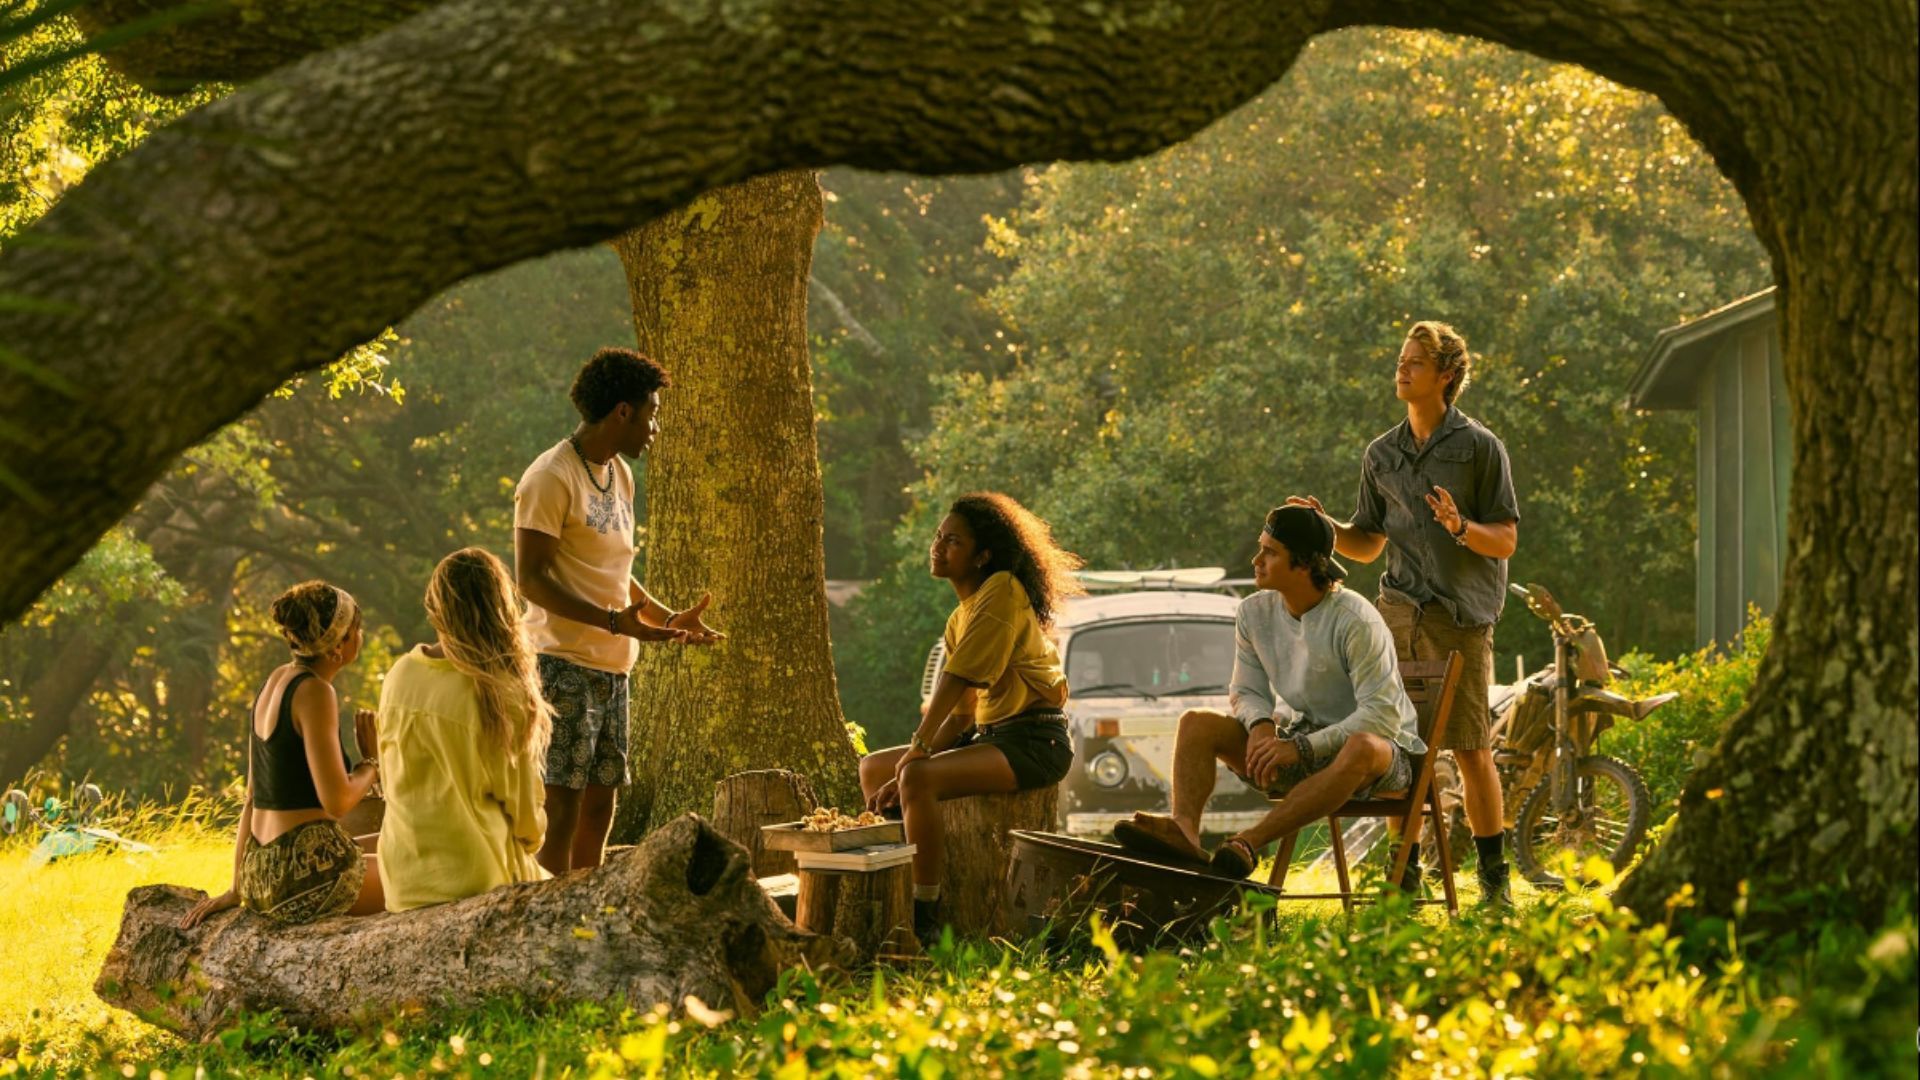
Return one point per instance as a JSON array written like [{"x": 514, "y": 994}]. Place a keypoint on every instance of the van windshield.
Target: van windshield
[{"x": 1156, "y": 659}]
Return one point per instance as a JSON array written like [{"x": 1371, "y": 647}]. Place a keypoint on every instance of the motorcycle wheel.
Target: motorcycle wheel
[{"x": 1612, "y": 806}]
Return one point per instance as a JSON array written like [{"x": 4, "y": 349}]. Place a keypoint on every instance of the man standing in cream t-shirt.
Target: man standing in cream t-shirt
[{"x": 573, "y": 560}]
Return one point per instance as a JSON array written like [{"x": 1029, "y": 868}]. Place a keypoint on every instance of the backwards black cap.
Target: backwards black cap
[{"x": 1305, "y": 533}]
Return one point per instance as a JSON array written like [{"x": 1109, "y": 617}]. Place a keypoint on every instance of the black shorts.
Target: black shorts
[{"x": 1035, "y": 744}]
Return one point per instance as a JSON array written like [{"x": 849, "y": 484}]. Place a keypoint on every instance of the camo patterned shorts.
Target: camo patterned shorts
[{"x": 589, "y": 744}]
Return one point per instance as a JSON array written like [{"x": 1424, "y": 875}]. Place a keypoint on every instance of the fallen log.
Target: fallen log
[{"x": 678, "y": 915}]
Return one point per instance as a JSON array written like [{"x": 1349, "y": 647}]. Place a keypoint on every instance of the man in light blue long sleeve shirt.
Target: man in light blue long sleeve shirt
[{"x": 1319, "y": 712}]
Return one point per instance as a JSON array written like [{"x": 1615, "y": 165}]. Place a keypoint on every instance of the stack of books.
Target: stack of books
[{"x": 862, "y": 859}]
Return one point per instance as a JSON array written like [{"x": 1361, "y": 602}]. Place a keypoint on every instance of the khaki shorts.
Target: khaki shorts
[{"x": 1429, "y": 633}]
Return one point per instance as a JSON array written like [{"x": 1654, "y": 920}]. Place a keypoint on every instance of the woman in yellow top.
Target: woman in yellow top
[
  {"x": 463, "y": 730},
  {"x": 994, "y": 723}
]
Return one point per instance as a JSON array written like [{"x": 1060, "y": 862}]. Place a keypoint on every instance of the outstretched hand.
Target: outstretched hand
[
  {"x": 696, "y": 628},
  {"x": 632, "y": 625}
]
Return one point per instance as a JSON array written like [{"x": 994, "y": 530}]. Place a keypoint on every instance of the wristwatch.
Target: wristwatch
[
  {"x": 1460, "y": 534},
  {"x": 613, "y": 620}
]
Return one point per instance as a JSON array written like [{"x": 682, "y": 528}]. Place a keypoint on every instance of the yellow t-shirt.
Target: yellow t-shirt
[
  {"x": 462, "y": 816},
  {"x": 995, "y": 640},
  {"x": 595, "y": 561}
]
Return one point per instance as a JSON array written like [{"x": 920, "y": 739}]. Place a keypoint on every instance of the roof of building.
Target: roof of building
[{"x": 1667, "y": 376}]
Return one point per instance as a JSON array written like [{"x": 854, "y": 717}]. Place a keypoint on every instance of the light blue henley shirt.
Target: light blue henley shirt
[{"x": 1334, "y": 671}]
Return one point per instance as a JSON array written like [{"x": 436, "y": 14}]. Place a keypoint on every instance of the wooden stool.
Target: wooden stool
[
  {"x": 973, "y": 887},
  {"x": 862, "y": 894}
]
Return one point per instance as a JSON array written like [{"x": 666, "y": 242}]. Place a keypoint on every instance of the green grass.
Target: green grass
[
  {"x": 57, "y": 920},
  {"x": 1567, "y": 988}
]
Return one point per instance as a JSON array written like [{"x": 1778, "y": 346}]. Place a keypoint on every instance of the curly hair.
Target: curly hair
[
  {"x": 612, "y": 377},
  {"x": 305, "y": 615},
  {"x": 473, "y": 605},
  {"x": 1021, "y": 544},
  {"x": 1449, "y": 352}
]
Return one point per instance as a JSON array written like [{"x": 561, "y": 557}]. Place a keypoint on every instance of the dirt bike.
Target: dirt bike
[{"x": 1560, "y": 795}]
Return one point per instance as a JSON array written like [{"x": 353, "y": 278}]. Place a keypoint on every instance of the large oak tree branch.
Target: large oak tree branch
[
  {"x": 232, "y": 40},
  {"x": 268, "y": 232}
]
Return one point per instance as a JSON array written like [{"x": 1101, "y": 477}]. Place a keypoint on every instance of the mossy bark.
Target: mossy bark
[{"x": 734, "y": 503}]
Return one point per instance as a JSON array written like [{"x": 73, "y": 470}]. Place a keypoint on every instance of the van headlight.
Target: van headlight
[{"x": 1108, "y": 769}]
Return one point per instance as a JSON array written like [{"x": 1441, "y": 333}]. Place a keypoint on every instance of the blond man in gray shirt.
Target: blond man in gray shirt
[{"x": 1320, "y": 715}]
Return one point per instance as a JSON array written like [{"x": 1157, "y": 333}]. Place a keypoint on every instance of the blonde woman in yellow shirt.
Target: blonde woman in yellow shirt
[
  {"x": 463, "y": 731},
  {"x": 994, "y": 723}
]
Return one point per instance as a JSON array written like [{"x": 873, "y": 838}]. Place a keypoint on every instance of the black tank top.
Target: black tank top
[{"x": 281, "y": 778}]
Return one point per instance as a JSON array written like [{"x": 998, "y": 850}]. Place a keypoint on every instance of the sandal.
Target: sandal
[{"x": 1234, "y": 858}]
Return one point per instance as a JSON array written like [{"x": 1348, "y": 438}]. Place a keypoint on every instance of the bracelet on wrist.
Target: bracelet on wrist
[
  {"x": 613, "y": 620},
  {"x": 920, "y": 744},
  {"x": 1460, "y": 534}
]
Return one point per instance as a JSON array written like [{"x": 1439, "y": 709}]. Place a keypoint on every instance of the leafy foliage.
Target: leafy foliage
[
  {"x": 1196, "y": 335},
  {"x": 1570, "y": 987},
  {"x": 1670, "y": 743}
]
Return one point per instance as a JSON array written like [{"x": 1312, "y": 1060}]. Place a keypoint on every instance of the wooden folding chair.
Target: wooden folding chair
[{"x": 1426, "y": 680}]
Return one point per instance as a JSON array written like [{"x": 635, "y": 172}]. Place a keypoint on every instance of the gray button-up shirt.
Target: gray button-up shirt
[{"x": 1423, "y": 562}]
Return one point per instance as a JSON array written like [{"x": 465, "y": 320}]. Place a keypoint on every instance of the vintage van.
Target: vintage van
[{"x": 1140, "y": 649}]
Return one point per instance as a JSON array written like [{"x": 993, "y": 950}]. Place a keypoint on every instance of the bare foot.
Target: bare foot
[{"x": 1161, "y": 836}]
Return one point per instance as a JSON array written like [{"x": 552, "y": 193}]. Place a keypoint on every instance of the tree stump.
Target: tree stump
[
  {"x": 872, "y": 909},
  {"x": 973, "y": 887},
  {"x": 745, "y": 801},
  {"x": 676, "y": 916}
]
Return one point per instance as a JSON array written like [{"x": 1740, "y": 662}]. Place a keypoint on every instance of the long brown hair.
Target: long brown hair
[
  {"x": 472, "y": 603},
  {"x": 1021, "y": 544}
]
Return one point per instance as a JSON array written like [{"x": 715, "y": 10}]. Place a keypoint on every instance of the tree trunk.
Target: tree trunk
[
  {"x": 743, "y": 802},
  {"x": 678, "y": 916},
  {"x": 191, "y": 653},
  {"x": 872, "y": 910},
  {"x": 734, "y": 503},
  {"x": 973, "y": 888},
  {"x": 54, "y": 700}
]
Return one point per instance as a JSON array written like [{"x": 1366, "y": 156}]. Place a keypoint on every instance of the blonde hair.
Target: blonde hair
[
  {"x": 472, "y": 603},
  {"x": 1449, "y": 352},
  {"x": 314, "y": 618}
]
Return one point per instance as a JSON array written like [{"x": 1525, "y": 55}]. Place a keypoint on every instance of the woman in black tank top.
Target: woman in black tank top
[{"x": 293, "y": 862}]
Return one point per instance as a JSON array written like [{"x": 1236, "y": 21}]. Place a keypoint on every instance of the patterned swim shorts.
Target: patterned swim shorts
[
  {"x": 312, "y": 871},
  {"x": 589, "y": 744}
]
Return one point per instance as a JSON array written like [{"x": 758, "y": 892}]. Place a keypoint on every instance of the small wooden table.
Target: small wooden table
[{"x": 862, "y": 894}]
